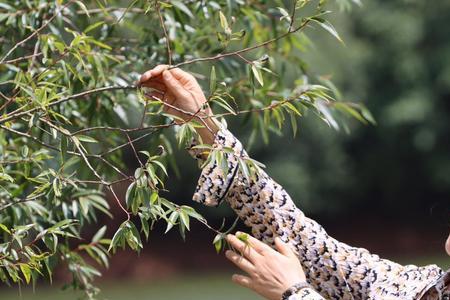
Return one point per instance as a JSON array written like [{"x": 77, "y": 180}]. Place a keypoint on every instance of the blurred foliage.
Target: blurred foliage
[
  {"x": 396, "y": 60},
  {"x": 72, "y": 119}
]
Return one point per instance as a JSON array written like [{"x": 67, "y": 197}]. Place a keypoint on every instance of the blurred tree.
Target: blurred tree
[
  {"x": 71, "y": 113},
  {"x": 396, "y": 59}
]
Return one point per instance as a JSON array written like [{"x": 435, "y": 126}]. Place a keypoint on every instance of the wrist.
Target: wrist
[{"x": 208, "y": 130}]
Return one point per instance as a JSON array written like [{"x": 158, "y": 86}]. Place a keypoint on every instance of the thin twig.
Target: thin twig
[
  {"x": 294, "y": 9},
  {"x": 19, "y": 59},
  {"x": 37, "y": 31},
  {"x": 126, "y": 144},
  {"x": 234, "y": 53},
  {"x": 134, "y": 150},
  {"x": 14, "y": 115},
  {"x": 20, "y": 201},
  {"x": 137, "y": 129},
  {"x": 29, "y": 137},
  {"x": 163, "y": 26}
]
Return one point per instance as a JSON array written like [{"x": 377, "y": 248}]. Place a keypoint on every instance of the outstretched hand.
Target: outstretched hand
[{"x": 270, "y": 272}]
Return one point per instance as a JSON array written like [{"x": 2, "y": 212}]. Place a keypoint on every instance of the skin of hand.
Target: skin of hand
[
  {"x": 447, "y": 245},
  {"x": 270, "y": 272},
  {"x": 182, "y": 97}
]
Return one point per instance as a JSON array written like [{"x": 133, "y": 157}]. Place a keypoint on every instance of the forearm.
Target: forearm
[
  {"x": 208, "y": 130},
  {"x": 333, "y": 268}
]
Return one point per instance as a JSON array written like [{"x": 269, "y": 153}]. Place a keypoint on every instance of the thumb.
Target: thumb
[
  {"x": 173, "y": 85},
  {"x": 284, "y": 248}
]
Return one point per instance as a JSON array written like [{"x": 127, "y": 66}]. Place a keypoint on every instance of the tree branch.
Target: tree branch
[
  {"x": 163, "y": 26},
  {"x": 15, "y": 115},
  {"x": 237, "y": 52},
  {"x": 35, "y": 32}
]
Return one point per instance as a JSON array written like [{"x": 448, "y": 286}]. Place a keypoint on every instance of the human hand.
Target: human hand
[
  {"x": 182, "y": 97},
  {"x": 177, "y": 88},
  {"x": 270, "y": 272}
]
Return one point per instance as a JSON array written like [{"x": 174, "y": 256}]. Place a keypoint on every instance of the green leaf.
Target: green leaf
[
  {"x": 328, "y": 27},
  {"x": 212, "y": 80},
  {"x": 93, "y": 26},
  {"x": 258, "y": 75},
  {"x": 218, "y": 242},
  {"x": 172, "y": 220},
  {"x": 344, "y": 107},
  {"x": 153, "y": 198},
  {"x": 101, "y": 45},
  {"x": 224, "y": 22},
  {"x": 323, "y": 108},
  {"x": 144, "y": 225},
  {"x": 51, "y": 241},
  {"x": 192, "y": 213},
  {"x": 4, "y": 176},
  {"x": 4, "y": 228},
  {"x": 26, "y": 271},
  {"x": 184, "y": 217},
  {"x": 244, "y": 169},
  {"x": 367, "y": 115},
  {"x": 130, "y": 194},
  {"x": 294, "y": 125},
  {"x": 118, "y": 238},
  {"x": 99, "y": 235},
  {"x": 242, "y": 237},
  {"x": 83, "y": 7},
  {"x": 285, "y": 14},
  {"x": 181, "y": 6},
  {"x": 132, "y": 236},
  {"x": 86, "y": 139}
]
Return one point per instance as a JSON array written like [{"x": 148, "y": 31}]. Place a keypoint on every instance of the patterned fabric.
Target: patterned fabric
[
  {"x": 335, "y": 270},
  {"x": 306, "y": 294},
  {"x": 300, "y": 290}
]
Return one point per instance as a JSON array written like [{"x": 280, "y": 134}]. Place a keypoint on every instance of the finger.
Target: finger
[
  {"x": 240, "y": 262},
  {"x": 255, "y": 243},
  {"x": 174, "y": 85},
  {"x": 181, "y": 75},
  {"x": 155, "y": 85},
  {"x": 242, "y": 280},
  {"x": 156, "y": 71},
  {"x": 284, "y": 248},
  {"x": 243, "y": 248},
  {"x": 146, "y": 76}
]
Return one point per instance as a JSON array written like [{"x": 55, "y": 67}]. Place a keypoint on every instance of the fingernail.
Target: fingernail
[
  {"x": 146, "y": 76},
  {"x": 166, "y": 75},
  {"x": 229, "y": 236},
  {"x": 227, "y": 253}
]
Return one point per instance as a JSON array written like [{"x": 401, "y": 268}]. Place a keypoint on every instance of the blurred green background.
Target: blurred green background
[{"x": 386, "y": 188}]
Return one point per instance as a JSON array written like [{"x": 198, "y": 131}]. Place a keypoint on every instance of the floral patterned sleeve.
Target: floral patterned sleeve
[
  {"x": 306, "y": 294},
  {"x": 333, "y": 269}
]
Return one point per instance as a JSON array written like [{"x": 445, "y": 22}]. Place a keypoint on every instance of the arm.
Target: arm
[{"x": 334, "y": 269}]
